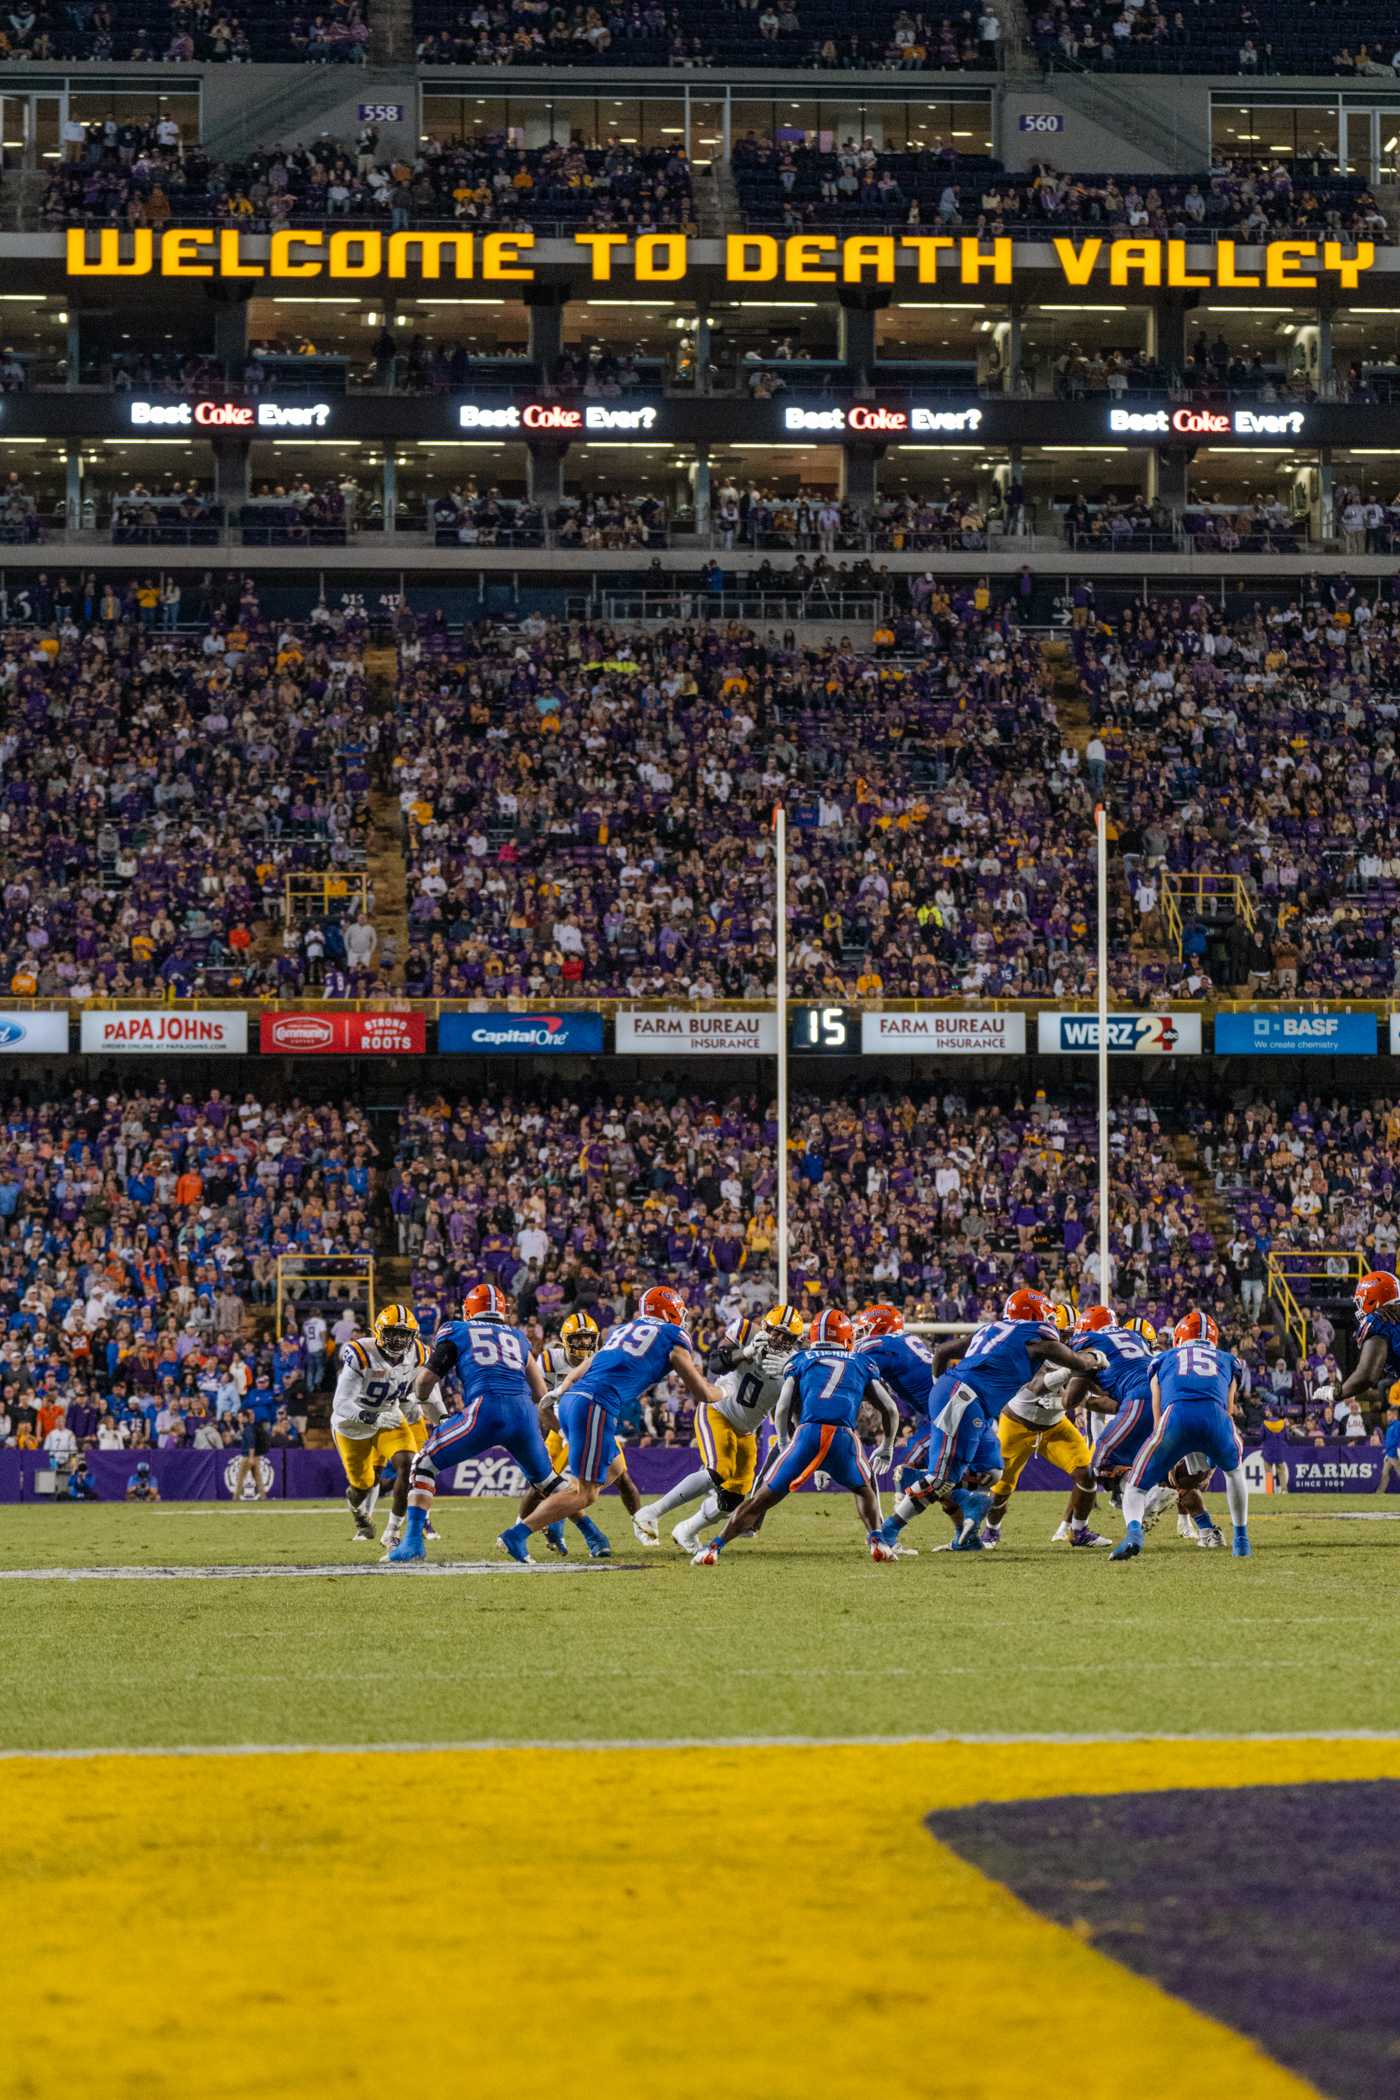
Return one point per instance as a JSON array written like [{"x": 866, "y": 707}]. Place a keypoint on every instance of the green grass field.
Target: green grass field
[{"x": 797, "y": 1634}]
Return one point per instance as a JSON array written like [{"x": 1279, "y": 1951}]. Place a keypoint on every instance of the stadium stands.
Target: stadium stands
[
  {"x": 796, "y": 34},
  {"x": 160, "y": 788},
  {"x": 478, "y": 182},
  {"x": 792, "y": 185},
  {"x": 1354, "y": 39},
  {"x": 139, "y": 1234},
  {"x": 182, "y": 32}
]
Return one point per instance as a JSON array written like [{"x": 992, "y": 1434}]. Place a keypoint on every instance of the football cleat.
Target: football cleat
[
  {"x": 879, "y": 1550},
  {"x": 364, "y": 1531},
  {"x": 968, "y": 1540},
  {"x": 407, "y": 1549},
  {"x": 687, "y": 1533},
  {"x": 991, "y": 1535},
  {"x": 1185, "y": 1529},
  {"x": 554, "y": 1540},
  {"x": 1060, "y": 1535},
  {"x": 598, "y": 1543},
  {"x": 428, "y": 1531},
  {"x": 1240, "y": 1546},
  {"x": 515, "y": 1540},
  {"x": 707, "y": 1555},
  {"x": 1083, "y": 1536},
  {"x": 1159, "y": 1502},
  {"x": 645, "y": 1527},
  {"x": 392, "y": 1532},
  {"x": 1130, "y": 1545},
  {"x": 1209, "y": 1535}
]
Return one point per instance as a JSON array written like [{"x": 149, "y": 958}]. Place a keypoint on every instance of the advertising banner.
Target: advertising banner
[
  {"x": 1295, "y": 1035},
  {"x": 164, "y": 1031},
  {"x": 328, "y": 1034},
  {"x": 497, "y": 1033},
  {"x": 33, "y": 1034},
  {"x": 682, "y": 1034},
  {"x": 943, "y": 1035},
  {"x": 1140, "y": 1035}
]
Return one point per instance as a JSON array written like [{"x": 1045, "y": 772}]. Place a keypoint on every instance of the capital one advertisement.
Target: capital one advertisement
[{"x": 326, "y": 1034}]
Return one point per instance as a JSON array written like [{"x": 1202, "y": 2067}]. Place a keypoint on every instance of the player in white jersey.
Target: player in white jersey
[
  {"x": 370, "y": 1414},
  {"x": 749, "y": 1365}
]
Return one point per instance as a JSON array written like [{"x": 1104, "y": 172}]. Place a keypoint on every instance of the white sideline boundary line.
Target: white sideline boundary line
[
  {"x": 299, "y": 1570},
  {"x": 644, "y": 1744}
]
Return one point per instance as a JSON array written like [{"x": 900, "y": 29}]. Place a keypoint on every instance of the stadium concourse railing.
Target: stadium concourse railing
[
  {"x": 1340, "y": 1269},
  {"x": 1200, "y": 891},
  {"x": 304, "y": 1279}
]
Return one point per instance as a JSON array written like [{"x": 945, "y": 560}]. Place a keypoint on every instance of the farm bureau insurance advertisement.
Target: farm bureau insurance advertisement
[
  {"x": 942, "y": 1035},
  {"x": 684, "y": 1034}
]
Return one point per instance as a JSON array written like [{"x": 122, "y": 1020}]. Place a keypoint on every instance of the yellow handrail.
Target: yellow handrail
[
  {"x": 1190, "y": 887},
  {"x": 1307, "y": 1264},
  {"x": 317, "y": 889},
  {"x": 354, "y": 1270}
]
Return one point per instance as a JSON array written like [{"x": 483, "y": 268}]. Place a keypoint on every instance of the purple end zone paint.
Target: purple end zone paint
[{"x": 1273, "y": 1909}]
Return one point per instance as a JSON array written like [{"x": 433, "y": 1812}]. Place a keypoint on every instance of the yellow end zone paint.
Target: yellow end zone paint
[{"x": 696, "y": 1924}]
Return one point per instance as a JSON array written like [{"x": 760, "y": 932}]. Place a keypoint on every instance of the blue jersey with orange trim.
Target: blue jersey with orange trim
[
  {"x": 1382, "y": 1325},
  {"x": 1196, "y": 1373},
  {"x": 905, "y": 1365},
  {"x": 831, "y": 1383},
  {"x": 997, "y": 1361},
  {"x": 1127, "y": 1375},
  {"x": 486, "y": 1356},
  {"x": 635, "y": 1356}
]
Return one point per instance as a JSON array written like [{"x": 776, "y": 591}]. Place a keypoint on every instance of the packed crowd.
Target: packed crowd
[
  {"x": 1319, "y": 1180},
  {"x": 931, "y": 185},
  {"x": 926, "y": 1200},
  {"x": 1262, "y": 748},
  {"x": 156, "y": 787},
  {"x": 586, "y": 811},
  {"x": 140, "y": 1231},
  {"x": 778, "y": 33},
  {"x": 185, "y": 32},
  {"x": 482, "y": 181}
]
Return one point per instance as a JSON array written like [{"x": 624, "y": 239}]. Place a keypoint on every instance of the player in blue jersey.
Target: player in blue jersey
[
  {"x": 964, "y": 1451},
  {"x": 1377, "y": 1302},
  {"x": 502, "y": 1386},
  {"x": 1122, "y": 1389},
  {"x": 1194, "y": 1386},
  {"x": 636, "y": 1355},
  {"x": 825, "y": 1387}
]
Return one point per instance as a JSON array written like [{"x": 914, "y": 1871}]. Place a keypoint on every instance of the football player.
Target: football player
[
  {"x": 1035, "y": 1422},
  {"x": 993, "y": 1364},
  {"x": 502, "y": 1385},
  {"x": 368, "y": 1419},
  {"x": 1194, "y": 1386},
  {"x": 748, "y": 1365},
  {"x": 1377, "y": 1302},
  {"x": 1122, "y": 1390},
  {"x": 578, "y": 1339},
  {"x": 636, "y": 1355},
  {"x": 825, "y": 1385}
]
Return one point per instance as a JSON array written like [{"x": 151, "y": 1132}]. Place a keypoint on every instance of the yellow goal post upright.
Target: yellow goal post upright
[{"x": 324, "y": 1279}]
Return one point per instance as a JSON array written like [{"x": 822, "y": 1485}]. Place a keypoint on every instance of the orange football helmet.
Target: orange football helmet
[
  {"x": 1093, "y": 1319},
  {"x": 832, "y": 1327},
  {"x": 1029, "y": 1305},
  {"x": 1196, "y": 1327},
  {"x": 1378, "y": 1289},
  {"x": 879, "y": 1319},
  {"x": 485, "y": 1301},
  {"x": 660, "y": 1302}
]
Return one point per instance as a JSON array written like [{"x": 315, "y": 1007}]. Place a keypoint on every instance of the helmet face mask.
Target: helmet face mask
[
  {"x": 580, "y": 1337},
  {"x": 395, "y": 1331}
]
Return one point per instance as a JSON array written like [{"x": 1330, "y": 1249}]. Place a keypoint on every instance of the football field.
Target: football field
[{"x": 794, "y": 1824}]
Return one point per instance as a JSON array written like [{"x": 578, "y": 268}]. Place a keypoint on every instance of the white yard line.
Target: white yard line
[
  {"x": 228, "y": 1573},
  {"x": 644, "y": 1744}
]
